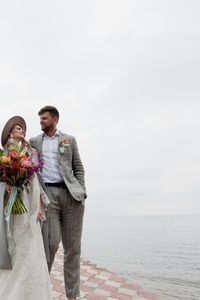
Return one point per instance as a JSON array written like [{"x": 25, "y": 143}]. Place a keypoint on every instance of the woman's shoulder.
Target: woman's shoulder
[{"x": 2, "y": 185}]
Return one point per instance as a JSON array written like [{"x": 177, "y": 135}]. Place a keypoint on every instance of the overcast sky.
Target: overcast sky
[{"x": 125, "y": 76}]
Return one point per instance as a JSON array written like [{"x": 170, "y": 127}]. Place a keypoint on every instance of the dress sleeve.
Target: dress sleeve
[
  {"x": 5, "y": 262},
  {"x": 32, "y": 196}
]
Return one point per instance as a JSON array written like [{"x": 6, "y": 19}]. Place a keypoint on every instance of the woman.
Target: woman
[{"x": 23, "y": 268}]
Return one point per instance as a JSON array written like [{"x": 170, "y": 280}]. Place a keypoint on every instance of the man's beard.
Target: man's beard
[{"x": 47, "y": 128}]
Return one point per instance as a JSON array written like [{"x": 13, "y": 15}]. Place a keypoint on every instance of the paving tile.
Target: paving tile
[
  {"x": 55, "y": 273},
  {"x": 91, "y": 284},
  {"x": 59, "y": 288},
  {"x": 122, "y": 296},
  {"x": 56, "y": 294},
  {"x": 139, "y": 298},
  {"x": 93, "y": 271},
  {"x": 102, "y": 292},
  {"x": 60, "y": 277},
  {"x": 86, "y": 288},
  {"x": 108, "y": 274},
  {"x": 112, "y": 283},
  {"x": 127, "y": 291},
  {"x": 55, "y": 281},
  {"x": 82, "y": 294},
  {"x": 108, "y": 288},
  {"x": 87, "y": 274},
  {"x": 117, "y": 279},
  {"x": 132, "y": 286},
  {"x": 98, "y": 281},
  {"x": 85, "y": 267},
  {"x": 148, "y": 295},
  {"x": 101, "y": 277},
  {"x": 84, "y": 278},
  {"x": 93, "y": 296}
]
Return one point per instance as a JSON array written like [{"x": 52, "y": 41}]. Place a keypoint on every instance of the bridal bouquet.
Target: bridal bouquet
[{"x": 16, "y": 169}]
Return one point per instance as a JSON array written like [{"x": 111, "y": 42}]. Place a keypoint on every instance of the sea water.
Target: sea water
[{"x": 160, "y": 253}]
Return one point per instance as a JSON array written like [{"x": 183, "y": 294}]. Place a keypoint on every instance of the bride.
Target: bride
[{"x": 23, "y": 267}]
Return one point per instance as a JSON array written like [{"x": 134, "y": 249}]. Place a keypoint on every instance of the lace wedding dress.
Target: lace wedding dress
[{"x": 29, "y": 278}]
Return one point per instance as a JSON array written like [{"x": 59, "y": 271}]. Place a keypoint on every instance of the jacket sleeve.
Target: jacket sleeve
[{"x": 77, "y": 166}]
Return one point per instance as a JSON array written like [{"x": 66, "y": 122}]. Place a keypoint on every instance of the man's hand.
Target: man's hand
[{"x": 40, "y": 213}]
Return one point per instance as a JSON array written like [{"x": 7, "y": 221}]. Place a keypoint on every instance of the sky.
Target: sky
[{"x": 124, "y": 75}]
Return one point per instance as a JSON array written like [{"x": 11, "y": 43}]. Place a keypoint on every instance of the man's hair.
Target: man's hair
[{"x": 51, "y": 109}]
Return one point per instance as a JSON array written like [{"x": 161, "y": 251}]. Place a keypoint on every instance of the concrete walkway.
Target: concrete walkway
[{"x": 97, "y": 283}]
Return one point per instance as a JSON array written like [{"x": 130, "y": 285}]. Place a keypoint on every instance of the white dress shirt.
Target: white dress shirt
[{"x": 51, "y": 171}]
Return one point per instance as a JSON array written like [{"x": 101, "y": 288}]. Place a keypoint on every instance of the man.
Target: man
[{"x": 62, "y": 177}]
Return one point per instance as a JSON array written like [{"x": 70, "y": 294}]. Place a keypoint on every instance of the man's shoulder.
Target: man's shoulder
[
  {"x": 32, "y": 139},
  {"x": 66, "y": 135}
]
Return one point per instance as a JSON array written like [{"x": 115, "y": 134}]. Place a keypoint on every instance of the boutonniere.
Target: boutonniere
[{"x": 63, "y": 143}]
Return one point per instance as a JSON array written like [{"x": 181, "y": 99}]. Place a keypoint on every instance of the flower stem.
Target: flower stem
[{"x": 18, "y": 207}]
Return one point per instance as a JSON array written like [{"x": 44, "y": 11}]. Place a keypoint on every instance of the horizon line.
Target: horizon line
[{"x": 144, "y": 215}]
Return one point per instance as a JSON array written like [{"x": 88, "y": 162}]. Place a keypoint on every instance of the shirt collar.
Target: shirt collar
[{"x": 57, "y": 133}]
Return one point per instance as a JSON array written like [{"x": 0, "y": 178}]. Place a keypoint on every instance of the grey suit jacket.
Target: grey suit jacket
[{"x": 71, "y": 167}]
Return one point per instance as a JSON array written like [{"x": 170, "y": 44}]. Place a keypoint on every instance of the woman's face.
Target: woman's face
[{"x": 18, "y": 133}]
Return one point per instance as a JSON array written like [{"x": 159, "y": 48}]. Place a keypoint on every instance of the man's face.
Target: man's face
[{"x": 47, "y": 122}]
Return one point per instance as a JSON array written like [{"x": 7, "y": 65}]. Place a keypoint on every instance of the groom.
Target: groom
[{"x": 62, "y": 177}]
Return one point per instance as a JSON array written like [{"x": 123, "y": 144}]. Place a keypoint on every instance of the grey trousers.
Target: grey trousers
[{"x": 65, "y": 217}]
